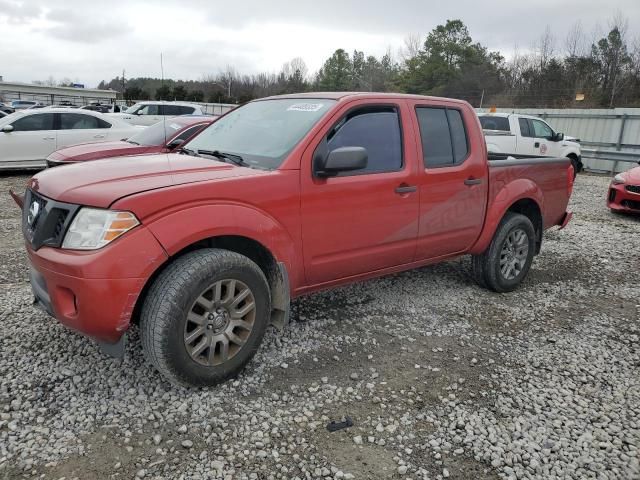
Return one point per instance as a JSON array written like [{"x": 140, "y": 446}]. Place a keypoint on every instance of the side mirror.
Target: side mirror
[
  {"x": 173, "y": 144},
  {"x": 343, "y": 159},
  {"x": 7, "y": 128},
  {"x": 558, "y": 137}
]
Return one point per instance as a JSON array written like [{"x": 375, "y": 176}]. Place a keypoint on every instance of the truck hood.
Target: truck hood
[
  {"x": 96, "y": 150},
  {"x": 102, "y": 182}
]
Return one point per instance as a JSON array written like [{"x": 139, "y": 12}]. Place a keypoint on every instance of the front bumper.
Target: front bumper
[
  {"x": 95, "y": 292},
  {"x": 621, "y": 200}
]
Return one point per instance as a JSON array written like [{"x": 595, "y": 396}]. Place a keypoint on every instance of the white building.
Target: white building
[{"x": 10, "y": 91}]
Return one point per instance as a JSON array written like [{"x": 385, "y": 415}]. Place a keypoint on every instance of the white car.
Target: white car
[
  {"x": 148, "y": 113},
  {"x": 28, "y": 137},
  {"x": 524, "y": 135}
]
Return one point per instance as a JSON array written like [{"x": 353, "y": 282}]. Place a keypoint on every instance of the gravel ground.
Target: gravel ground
[{"x": 440, "y": 378}]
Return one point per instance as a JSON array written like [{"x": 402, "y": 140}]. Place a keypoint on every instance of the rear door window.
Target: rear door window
[
  {"x": 525, "y": 129},
  {"x": 78, "y": 121},
  {"x": 444, "y": 138},
  {"x": 495, "y": 123}
]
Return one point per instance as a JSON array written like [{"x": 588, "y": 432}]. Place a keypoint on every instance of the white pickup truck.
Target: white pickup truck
[{"x": 523, "y": 136}]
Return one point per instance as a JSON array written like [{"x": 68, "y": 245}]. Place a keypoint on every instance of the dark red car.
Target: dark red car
[
  {"x": 624, "y": 192},
  {"x": 159, "y": 138}
]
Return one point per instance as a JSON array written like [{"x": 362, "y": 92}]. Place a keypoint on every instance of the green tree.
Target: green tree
[
  {"x": 163, "y": 93},
  {"x": 196, "y": 96},
  {"x": 336, "y": 73},
  {"x": 179, "y": 93},
  {"x": 612, "y": 59}
]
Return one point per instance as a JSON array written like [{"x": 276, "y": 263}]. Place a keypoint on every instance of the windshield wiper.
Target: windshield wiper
[
  {"x": 186, "y": 151},
  {"x": 231, "y": 157},
  {"x": 132, "y": 142}
]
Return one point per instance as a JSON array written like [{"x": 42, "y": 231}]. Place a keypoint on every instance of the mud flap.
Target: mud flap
[
  {"x": 280, "y": 298},
  {"x": 115, "y": 350}
]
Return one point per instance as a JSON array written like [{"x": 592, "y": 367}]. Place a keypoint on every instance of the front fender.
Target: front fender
[
  {"x": 503, "y": 197},
  {"x": 185, "y": 227}
]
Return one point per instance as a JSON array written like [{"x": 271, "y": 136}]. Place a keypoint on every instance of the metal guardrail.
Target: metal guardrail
[{"x": 611, "y": 156}]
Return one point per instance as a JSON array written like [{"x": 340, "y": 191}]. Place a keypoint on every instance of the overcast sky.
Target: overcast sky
[{"x": 88, "y": 41}]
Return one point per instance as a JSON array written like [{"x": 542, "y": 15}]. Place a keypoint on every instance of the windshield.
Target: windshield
[
  {"x": 262, "y": 132},
  {"x": 132, "y": 109},
  {"x": 156, "y": 134}
]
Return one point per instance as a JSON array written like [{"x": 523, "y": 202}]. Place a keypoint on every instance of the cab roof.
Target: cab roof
[{"x": 353, "y": 95}]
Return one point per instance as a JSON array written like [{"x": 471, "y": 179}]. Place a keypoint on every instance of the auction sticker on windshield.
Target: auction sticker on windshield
[{"x": 306, "y": 107}]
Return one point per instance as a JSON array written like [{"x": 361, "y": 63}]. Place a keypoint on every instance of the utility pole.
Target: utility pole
[{"x": 123, "y": 83}]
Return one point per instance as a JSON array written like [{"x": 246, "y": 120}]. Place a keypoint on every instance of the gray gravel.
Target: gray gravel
[{"x": 442, "y": 379}]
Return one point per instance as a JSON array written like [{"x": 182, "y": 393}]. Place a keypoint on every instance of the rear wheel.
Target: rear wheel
[
  {"x": 204, "y": 317},
  {"x": 505, "y": 264}
]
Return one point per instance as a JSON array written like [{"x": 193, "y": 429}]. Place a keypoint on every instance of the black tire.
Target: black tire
[
  {"x": 576, "y": 166},
  {"x": 172, "y": 297},
  {"x": 486, "y": 268}
]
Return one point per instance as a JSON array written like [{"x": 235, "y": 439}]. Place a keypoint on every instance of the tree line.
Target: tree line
[{"x": 571, "y": 72}]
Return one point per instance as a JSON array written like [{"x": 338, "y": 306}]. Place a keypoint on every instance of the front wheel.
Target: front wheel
[
  {"x": 505, "y": 264},
  {"x": 204, "y": 317}
]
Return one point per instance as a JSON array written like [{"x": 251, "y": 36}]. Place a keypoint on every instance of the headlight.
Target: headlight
[
  {"x": 619, "y": 178},
  {"x": 93, "y": 228}
]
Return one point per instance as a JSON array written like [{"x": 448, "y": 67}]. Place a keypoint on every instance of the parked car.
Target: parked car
[
  {"x": 104, "y": 108},
  {"x": 280, "y": 197},
  {"x": 28, "y": 137},
  {"x": 4, "y": 108},
  {"x": 23, "y": 104},
  {"x": 524, "y": 135},
  {"x": 624, "y": 192},
  {"x": 148, "y": 113},
  {"x": 162, "y": 137}
]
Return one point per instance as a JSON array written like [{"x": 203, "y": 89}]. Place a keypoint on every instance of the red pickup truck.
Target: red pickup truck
[{"x": 205, "y": 247}]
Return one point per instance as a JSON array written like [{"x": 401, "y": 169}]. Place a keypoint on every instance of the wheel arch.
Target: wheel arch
[
  {"x": 276, "y": 272},
  {"x": 528, "y": 201}
]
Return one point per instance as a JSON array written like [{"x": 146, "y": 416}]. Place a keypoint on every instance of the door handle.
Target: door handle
[
  {"x": 98, "y": 136},
  {"x": 404, "y": 188},
  {"x": 472, "y": 181},
  {"x": 48, "y": 138},
  {"x": 537, "y": 144}
]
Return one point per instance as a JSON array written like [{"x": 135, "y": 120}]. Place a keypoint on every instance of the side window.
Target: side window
[
  {"x": 495, "y": 123},
  {"x": 525, "y": 131},
  {"x": 378, "y": 131},
  {"x": 541, "y": 129},
  {"x": 149, "y": 110},
  {"x": 77, "y": 121},
  {"x": 189, "y": 132},
  {"x": 444, "y": 138},
  {"x": 458, "y": 136},
  {"x": 32, "y": 123}
]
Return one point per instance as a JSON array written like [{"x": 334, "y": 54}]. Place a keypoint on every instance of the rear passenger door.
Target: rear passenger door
[
  {"x": 75, "y": 128},
  {"x": 364, "y": 220},
  {"x": 453, "y": 180}
]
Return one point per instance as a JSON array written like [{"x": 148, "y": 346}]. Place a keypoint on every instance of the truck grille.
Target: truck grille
[
  {"x": 45, "y": 221},
  {"x": 633, "y": 188}
]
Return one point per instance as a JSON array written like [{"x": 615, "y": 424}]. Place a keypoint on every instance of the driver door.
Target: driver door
[
  {"x": 148, "y": 115},
  {"x": 32, "y": 140},
  {"x": 543, "y": 135},
  {"x": 363, "y": 220}
]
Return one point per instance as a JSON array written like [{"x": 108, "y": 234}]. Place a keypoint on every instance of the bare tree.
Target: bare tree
[
  {"x": 574, "y": 43},
  {"x": 545, "y": 48},
  {"x": 412, "y": 46}
]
